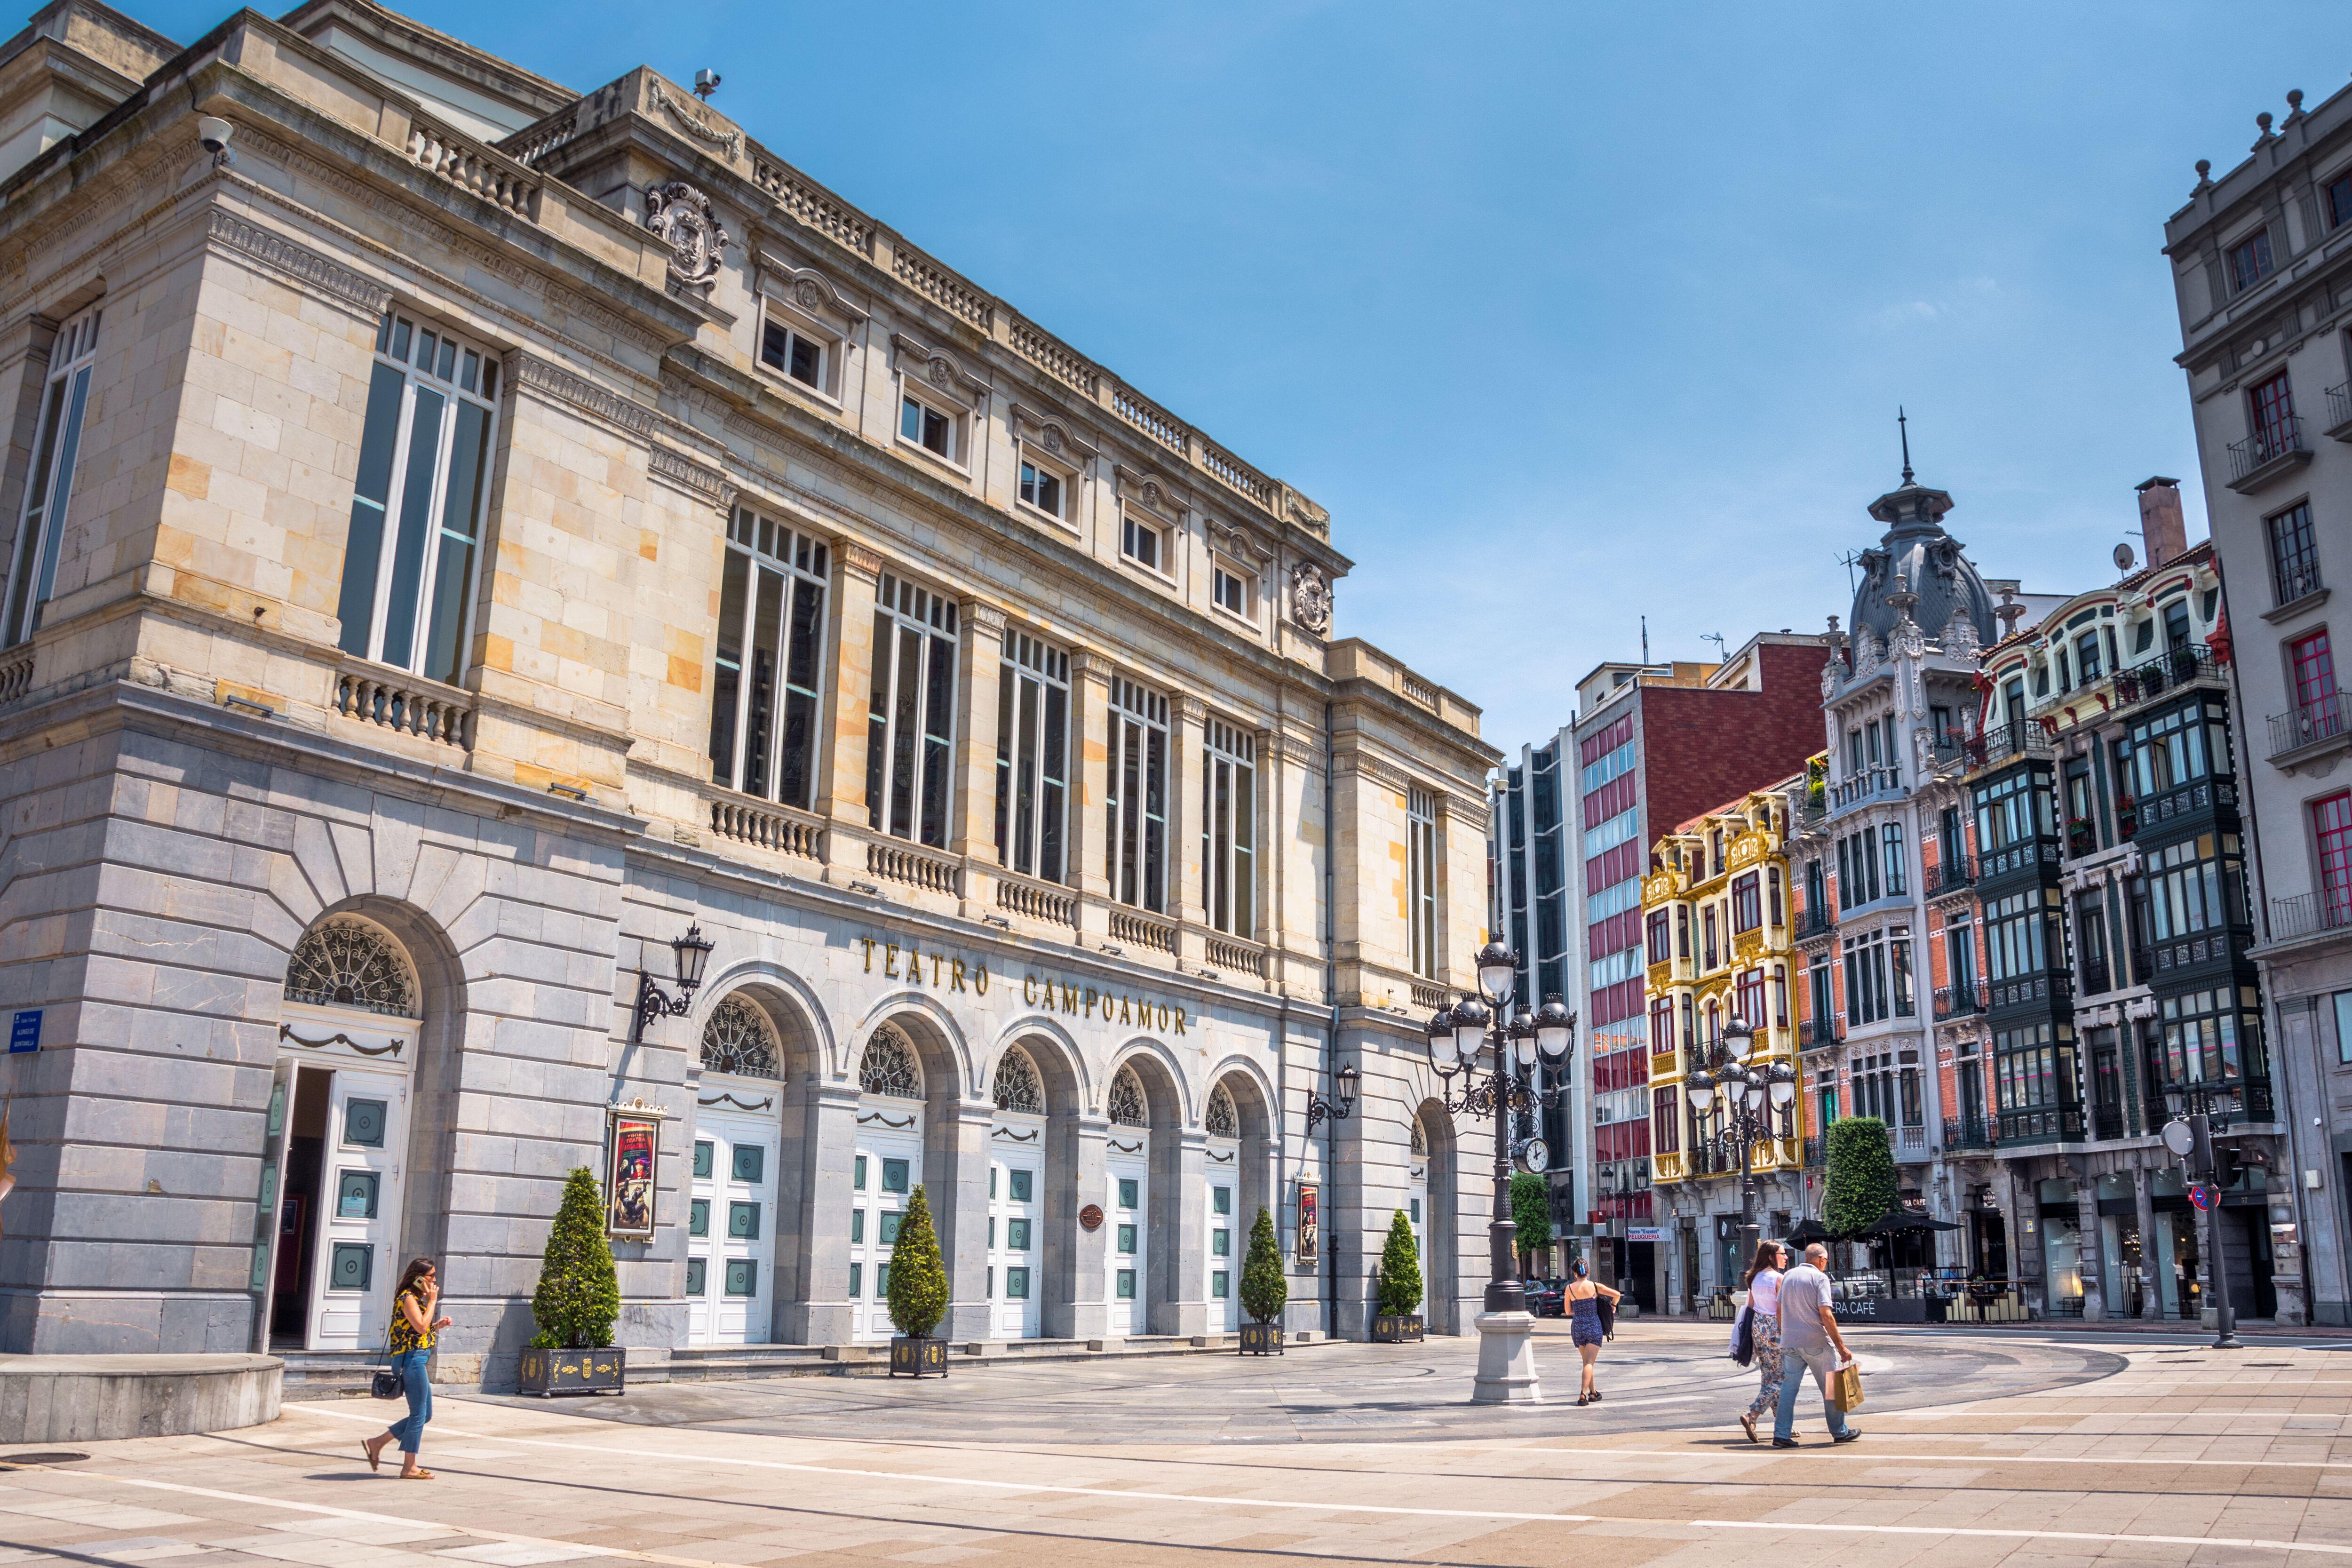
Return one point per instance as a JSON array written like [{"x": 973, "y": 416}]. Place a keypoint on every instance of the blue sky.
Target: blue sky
[{"x": 1570, "y": 313}]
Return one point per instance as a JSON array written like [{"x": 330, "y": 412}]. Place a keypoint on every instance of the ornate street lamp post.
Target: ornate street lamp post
[
  {"x": 1748, "y": 1105},
  {"x": 1506, "y": 1365}
]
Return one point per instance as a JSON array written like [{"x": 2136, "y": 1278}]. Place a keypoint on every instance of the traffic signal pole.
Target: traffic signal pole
[{"x": 2216, "y": 1166}]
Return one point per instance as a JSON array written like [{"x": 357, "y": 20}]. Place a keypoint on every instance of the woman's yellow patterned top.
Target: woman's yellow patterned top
[{"x": 405, "y": 1337}]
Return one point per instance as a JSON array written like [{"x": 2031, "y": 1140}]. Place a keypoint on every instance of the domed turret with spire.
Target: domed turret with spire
[{"x": 1920, "y": 565}]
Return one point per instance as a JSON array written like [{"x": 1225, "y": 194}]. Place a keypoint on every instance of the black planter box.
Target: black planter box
[
  {"x": 1262, "y": 1338},
  {"x": 603, "y": 1369},
  {"x": 918, "y": 1358},
  {"x": 1397, "y": 1329}
]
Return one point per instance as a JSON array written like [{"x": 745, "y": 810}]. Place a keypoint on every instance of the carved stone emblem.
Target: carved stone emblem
[
  {"x": 809, "y": 295},
  {"x": 1053, "y": 439},
  {"x": 681, "y": 214},
  {"x": 1310, "y": 597},
  {"x": 941, "y": 373}
]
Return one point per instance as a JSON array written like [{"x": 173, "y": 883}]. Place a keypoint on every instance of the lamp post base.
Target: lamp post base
[{"x": 1507, "y": 1361}]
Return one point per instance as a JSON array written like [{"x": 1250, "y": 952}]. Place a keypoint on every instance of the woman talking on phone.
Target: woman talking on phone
[{"x": 411, "y": 1343}]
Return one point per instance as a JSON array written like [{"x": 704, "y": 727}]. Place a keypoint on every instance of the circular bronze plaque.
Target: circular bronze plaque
[{"x": 1091, "y": 1217}]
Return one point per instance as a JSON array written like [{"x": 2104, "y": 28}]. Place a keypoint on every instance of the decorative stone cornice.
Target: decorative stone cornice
[
  {"x": 297, "y": 264},
  {"x": 554, "y": 381},
  {"x": 938, "y": 369},
  {"x": 852, "y": 556},
  {"x": 983, "y": 616},
  {"x": 685, "y": 472},
  {"x": 1053, "y": 433}
]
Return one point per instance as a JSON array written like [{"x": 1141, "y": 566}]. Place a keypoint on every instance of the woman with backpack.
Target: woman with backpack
[
  {"x": 1764, "y": 1326},
  {"x": 1586, "y": 1331}
]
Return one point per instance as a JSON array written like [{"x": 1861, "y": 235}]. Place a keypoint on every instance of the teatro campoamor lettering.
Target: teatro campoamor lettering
[{"x": 1038, "y": 991}]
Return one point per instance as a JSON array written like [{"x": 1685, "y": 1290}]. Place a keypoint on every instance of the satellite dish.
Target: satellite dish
[{"x": 2123, "y": 557}]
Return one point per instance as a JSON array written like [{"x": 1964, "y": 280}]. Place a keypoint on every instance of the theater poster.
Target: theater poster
[
  {"x": 1310, "y": 1217},
  {"x": 629, "y": 1186}
]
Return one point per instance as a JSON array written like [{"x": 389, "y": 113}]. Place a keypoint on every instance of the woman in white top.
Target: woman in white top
[{"x": 1764, "y": 1318}]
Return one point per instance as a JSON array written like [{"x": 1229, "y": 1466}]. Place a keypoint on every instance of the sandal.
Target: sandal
[
  {"x": 1582, "y": 1399},
  {"x": 374, "y": 1453},
  {"x": 418, "y": 1475},
  {"x": 1747, "y": 1425}
]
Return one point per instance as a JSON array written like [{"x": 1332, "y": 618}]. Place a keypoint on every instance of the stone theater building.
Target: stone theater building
[{"x": 466, "y": 538}]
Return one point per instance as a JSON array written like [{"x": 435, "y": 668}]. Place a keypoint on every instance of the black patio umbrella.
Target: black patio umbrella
[
  {"x": 1807, "y": 1231},
  {"x": 1901, "y": 1222}
]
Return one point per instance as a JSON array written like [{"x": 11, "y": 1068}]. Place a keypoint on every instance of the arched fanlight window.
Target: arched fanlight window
[
  {"x": 1221, "y": 1121},
  {"x": 347, "y": 961},
  {"x": 1127, "y": 1107},
  {"x": 739, "y": 1039},
  {"x": 1420, "y": 1139},
  {"x": 888, "y": 1066},
  {"x": 1017, "y": 1086}
]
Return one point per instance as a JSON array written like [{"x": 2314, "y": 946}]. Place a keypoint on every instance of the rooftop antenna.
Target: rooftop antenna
[
  {"x": 1717, "y": 640},
  {"x": 1903, "y": 424},
  {"x": 1848, "y": 561},
  {"x": 1645, "y": 639}
]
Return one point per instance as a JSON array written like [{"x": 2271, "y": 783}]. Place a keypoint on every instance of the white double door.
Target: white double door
[
  {"x": 1016, "y": 1187},
  {"x": 1126, "y": 1233},
  {"x": 730, "y": 1227},
  {"x": 883, "y": 1173},
  {"x": 1221, "y": 1248}
]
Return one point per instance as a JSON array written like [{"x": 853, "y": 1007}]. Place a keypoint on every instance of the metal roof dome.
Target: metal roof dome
[{"x": 1937, "y": 580}]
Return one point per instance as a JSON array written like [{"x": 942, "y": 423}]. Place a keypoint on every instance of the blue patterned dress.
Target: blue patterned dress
[{"x": 1585, "y": 1329}]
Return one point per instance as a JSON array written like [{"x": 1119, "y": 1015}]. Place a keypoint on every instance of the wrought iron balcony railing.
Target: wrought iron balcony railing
[{"x": 2308, "y": 725}]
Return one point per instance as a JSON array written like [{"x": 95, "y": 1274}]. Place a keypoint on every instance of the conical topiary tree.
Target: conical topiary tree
[
  {"x": 579, "y": 1296},
  {"x": 1860, "y": 1186},
  {"x": 918, "y": 1282},
  {"x": 1265, "y": 1292},
  {"x": 1399, "y": 1270}
]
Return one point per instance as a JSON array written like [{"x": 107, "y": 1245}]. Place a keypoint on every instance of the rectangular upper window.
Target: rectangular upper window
[
  {"x": 1032, "y": 743},
  {"x": 2249, "y": 261},
  {"x": 1135, "y": 847},
  {"x": 911, "y": 717},
  {"x": 1041, "y": 488},
  {"x": 419, "y": 501},
  {"x": 1229, "y": 828},
  {"x": 65, "y": 394},
  {"x": 1144, "y": 542},
  {"x": 2294, "y": 553},
  {"x": 1230, "y": 590},
  {"x": 926, "y": 427},
  {"x": 768, "y": 670},
  {"x": 795, "y": 352},
  {"x": 2339, "y": 200}
]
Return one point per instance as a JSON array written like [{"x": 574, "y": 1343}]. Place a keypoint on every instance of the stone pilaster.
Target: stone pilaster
[
  {"x": 960, "y": 1211},
  {"x": 1188, "y": 806},
  {"x": 822, "y": 1317},
  {"x": 978, "y": 654},
  {"x": 841, "y": 786},
  {"x": 1089, "y": 787},
  {"x": 1076, "y": 1309},
  {"x": 1180, "y": 1293}
]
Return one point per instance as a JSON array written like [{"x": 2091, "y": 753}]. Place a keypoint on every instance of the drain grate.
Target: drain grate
[{"x": 43, "y": 1457}]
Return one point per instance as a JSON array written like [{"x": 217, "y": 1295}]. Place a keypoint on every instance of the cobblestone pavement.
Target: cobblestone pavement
[{"x": 1990, "y": 1449}]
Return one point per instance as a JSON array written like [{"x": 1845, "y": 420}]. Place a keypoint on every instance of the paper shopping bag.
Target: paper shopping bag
[{"x": 1846, "y": 1389}]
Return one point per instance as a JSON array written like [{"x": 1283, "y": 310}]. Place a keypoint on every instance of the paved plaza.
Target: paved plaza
[{"x": 1986, "y": 1447}]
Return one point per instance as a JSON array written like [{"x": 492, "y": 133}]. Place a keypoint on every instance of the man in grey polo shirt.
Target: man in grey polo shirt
[{"x": 1809, "y": 1339}]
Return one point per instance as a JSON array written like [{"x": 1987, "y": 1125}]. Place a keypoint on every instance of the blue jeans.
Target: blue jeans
[
  {"x": 409, "y": 1430},
  {"x": 1794, "y": 1365}
]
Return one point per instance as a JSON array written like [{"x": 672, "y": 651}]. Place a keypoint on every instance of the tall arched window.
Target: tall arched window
[
  {"x": 888, "y": 1066},
  {"x": 347, "y": 961},
  {"x": 1017, "y": 1085},
  {"x": 739, "y": 1039},
  {"x": 1127, "y": 1105},
  {"x": 1221, "y": 1121}
]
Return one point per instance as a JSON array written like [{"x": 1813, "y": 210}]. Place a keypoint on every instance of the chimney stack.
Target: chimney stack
[{"x": 2161, "y": 528}]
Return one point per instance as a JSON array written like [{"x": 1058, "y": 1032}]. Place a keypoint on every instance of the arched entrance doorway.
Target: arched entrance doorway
[
  {"x": 1016, "y": 1198},
  {"x": 1223, "y": 1212},
  {"x": 732, "y": 1210},
  {"x": 337, "y": 1138},
  {"x": 1126, "y": 1226},
  {"x": 1441, "y": 1239},
  {"x": 884, "y": 1171}
]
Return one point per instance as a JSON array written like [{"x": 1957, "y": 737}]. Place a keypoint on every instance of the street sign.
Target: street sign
[
  {"x": 24, "y": 1031},
  {"x": 1645, "y": 1233},
  {"x": 2179, "y": 1138},
  {"x": 2203, "y": 1197}
]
